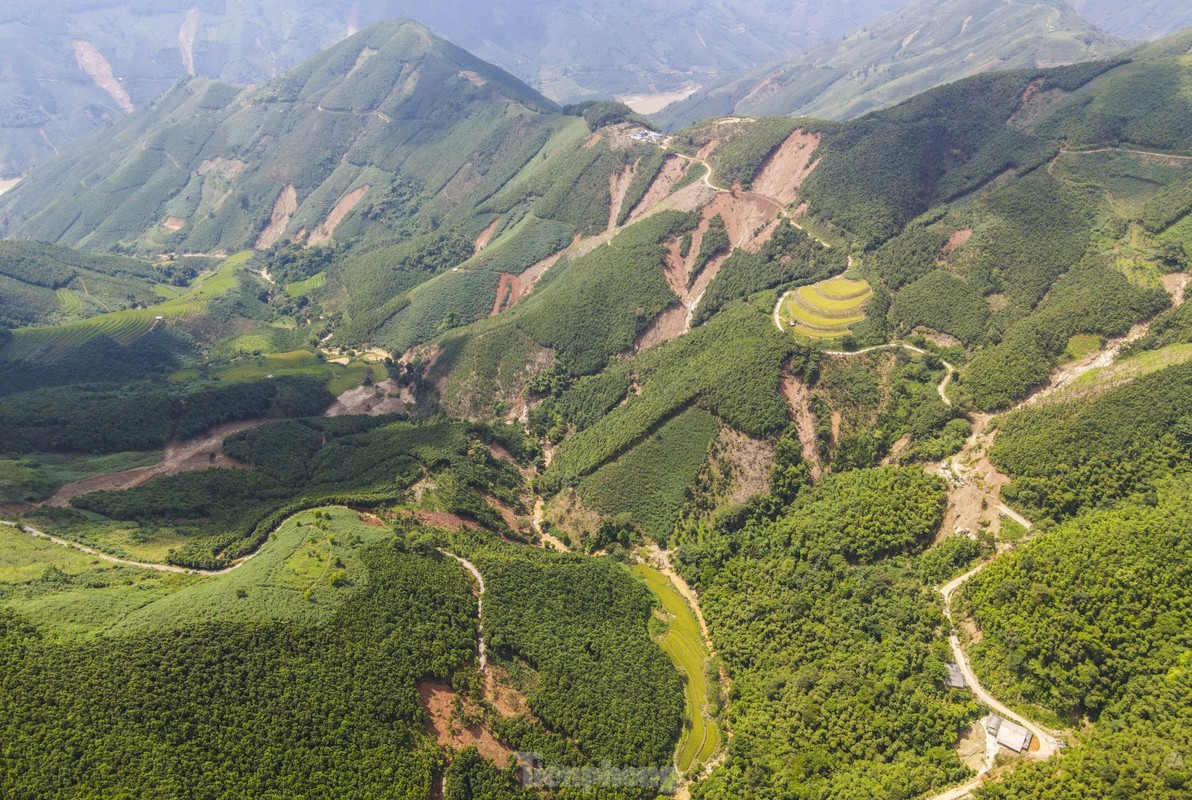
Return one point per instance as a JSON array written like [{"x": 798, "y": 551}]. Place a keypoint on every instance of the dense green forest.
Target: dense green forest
[
  {"x": 260, "y": 709},
  {"x": 829, "y": 635}
]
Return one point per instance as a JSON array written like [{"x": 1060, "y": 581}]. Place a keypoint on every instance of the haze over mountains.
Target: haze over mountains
[
  {"x": 907, "y": 51},
  {"x": 366, "y": 427},
  {"x": 68, "y": 65}
]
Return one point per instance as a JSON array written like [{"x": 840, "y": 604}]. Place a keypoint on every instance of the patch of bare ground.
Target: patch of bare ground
[
  {"x": 669, "y": 174},
  {"x": 449, "y": 719},
  {"x": 345, "y": 206},
  {"x": 939, "y": 339},
  {"x": 787, "y": 167},
  {"x": 836, "y": 419},
  {"x": 502, "y": 695},
  {"x": 283, "y": 210},
  {"x": 532, "y": 275},
  {"x": 186, "y": 40},
  {"x": 896, "y": 450},
  {"x": 749, "y": 460},
  {"x": 386, "y": 397},
  {"x": 203, "y": 452},
  {"x": 1034, "y": 103},
  {"x": 509, "y": 291},
  {"x": 372, "y": 520},
  {"x": 957, "y": 240},
  {"x": 974, "y": 483},
  {"x": 485, "y": 236},
  {"x": 971, "y": 747},
  {"x": 1068, "y": 373},
  {"x": 670, "y": 324},
  {"x": 971, "y": 633},
  {"x": 227, "y": 167},
  {"x": 174, "y": 224},
  {"x": 441, "y": 519},
  {"x": 749, "y": 221},
  {"x": 618, "y": 188},
  {"x": 799, "y": 399},
  {"x": 566, "y": 512},
  {"x": 1176, "y": 285},
  {"x": 461, "y": 183},
  {"x": 92, "y": 62}
]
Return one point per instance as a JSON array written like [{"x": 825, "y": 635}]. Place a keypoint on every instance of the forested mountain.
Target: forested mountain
[
  {"x": 907, "y": 51},
  {"x": 349, "y": 355},
  {"x": 67, "y": 66}
]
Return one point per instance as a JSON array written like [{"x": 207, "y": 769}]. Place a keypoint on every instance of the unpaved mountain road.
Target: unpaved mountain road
[{"x": 26, "y": 529}]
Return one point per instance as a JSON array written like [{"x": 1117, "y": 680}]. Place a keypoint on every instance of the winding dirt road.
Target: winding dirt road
[
  {"x": 470, "y": 567},
  {"x": 122, "y": 561}
]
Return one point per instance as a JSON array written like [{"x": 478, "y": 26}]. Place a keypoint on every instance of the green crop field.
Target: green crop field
[
  {"x": 825, "y": 310},
  {"x": 300, "y": 288},
  {"x": 69, "y": 300},
  {"x": 684, "y": 645},
  {"x": 35, "y": 344}
]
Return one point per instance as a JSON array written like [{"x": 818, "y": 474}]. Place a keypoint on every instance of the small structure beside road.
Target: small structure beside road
[{"x": 1009, "y": 735}]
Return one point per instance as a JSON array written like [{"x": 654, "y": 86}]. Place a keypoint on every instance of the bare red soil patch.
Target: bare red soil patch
[
  {"x": 787, "y": 167},
  {"x": 670, "y": 324},
  {"x": 486, "y": 235},
  {"x": 957, "y": 240},
  {"x": 669, "y": 174},
  {"x": 283, "y": 210},
  {"x": 344, "y": 207},
  {"x": 618, "y": 188},
  {"x": 444, "y": 711},
  {"x": 799, "y": 399},
  {"x": 509, "y": 291}
]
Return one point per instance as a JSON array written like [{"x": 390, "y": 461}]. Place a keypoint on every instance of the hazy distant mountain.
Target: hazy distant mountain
[
  {"x": 925, "y": 44},
  {"x": 66, "y": 65},
  {"x": 1137, "y": 19}
]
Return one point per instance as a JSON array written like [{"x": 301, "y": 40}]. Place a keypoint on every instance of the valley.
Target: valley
[{"x": 552, "y": 454}]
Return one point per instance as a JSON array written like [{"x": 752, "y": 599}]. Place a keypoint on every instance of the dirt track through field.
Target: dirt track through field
[{"x": 203, "y": 452}]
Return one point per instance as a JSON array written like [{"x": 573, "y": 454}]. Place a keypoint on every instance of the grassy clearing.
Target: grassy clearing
[
  {"x": 300, "y": 288},
  {"x": 683, "y": 643},
  {"x": 123, "y": 326},
  {"x": 302, "y": 574},
  {"x": 339, "y": 377},
  {"x": 72, "y": 594},
  {"x": 1081, "y": 345}
]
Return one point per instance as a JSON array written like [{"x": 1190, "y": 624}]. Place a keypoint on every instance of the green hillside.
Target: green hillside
[
  {"x": 914, "y": 48},
  {"x": 840, "y": 388}
]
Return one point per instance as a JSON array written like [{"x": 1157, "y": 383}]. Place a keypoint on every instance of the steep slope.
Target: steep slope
[
  {"x": 910, "y": 50},
  {"x": 60, "y": 64},
  {"x": 211, "y": 167}
]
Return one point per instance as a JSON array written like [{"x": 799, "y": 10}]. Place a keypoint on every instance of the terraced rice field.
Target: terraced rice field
[
  {"x": 45, "y": 344},
  {"x": 825, "y": 310},
  {"x": 70, "y": 301},
  {"x": 684, "y": 645}
]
